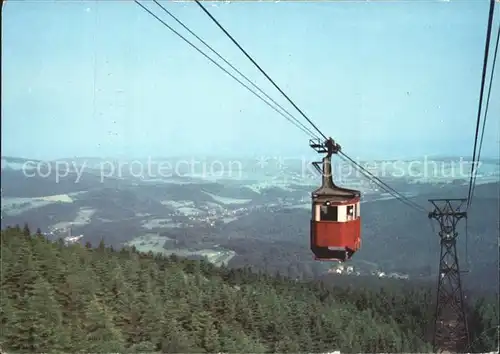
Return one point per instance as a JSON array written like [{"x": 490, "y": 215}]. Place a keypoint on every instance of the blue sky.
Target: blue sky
[{"x": 104, "y": 78}]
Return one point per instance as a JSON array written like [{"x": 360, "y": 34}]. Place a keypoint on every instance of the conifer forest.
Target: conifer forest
[{"x": 75, "y": 298}]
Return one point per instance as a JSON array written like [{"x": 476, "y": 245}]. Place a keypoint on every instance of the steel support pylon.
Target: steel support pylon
[{"x": 451, "y": 332}]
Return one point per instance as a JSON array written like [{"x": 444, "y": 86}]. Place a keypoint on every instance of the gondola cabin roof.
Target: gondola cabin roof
[
  {"x": 330, "y": 192},
  {"x": 335, "y": 194}
]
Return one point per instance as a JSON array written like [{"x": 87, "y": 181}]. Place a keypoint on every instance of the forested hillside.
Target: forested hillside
[{"x": 57, "y": 298}]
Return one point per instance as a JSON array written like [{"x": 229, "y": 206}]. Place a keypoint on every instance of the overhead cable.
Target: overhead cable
[
  {"x": 481, "y": 94},
  {"x": 312, "y": 134},
  {"x": 485, "y": 115},
  {"x": 382, "y": 184},
  {"x": 366, "y": 173},
  {"x": 260, "y": 69},
  {"x": 219, "y": 66}
]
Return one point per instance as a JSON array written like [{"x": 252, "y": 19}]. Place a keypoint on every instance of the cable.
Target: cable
[
  {"x": 483, "y": 79},
  {"x": 383, "y": 185},
  {"x": 218, "y": 65},
  {"x": 370, "y": 176},
  {"x": 485, "y": 113},
  {"x": 467, "y": 244},
  {"x": 258, "y": 67},
  {"x": 313, "y": 135},
  {"x": 389, "y": 189}
]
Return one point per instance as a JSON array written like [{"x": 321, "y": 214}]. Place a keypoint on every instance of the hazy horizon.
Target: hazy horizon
[{"x": 488, "y": 159}]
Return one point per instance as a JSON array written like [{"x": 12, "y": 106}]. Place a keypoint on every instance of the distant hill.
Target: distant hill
[
  {"x": 396, "y": 238},
  {"x": 265, "y": 235}
]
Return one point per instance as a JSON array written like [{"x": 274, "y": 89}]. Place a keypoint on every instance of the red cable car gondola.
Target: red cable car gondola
[{"x": 335, "y": 221}]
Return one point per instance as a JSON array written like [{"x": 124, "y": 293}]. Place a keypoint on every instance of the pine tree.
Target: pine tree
[
  {"x": 26, "y": 230},
  {"x": 102, "y": 335},
  {"x": 37, "y": 327},
  {"x": 210, "y": 336}
]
